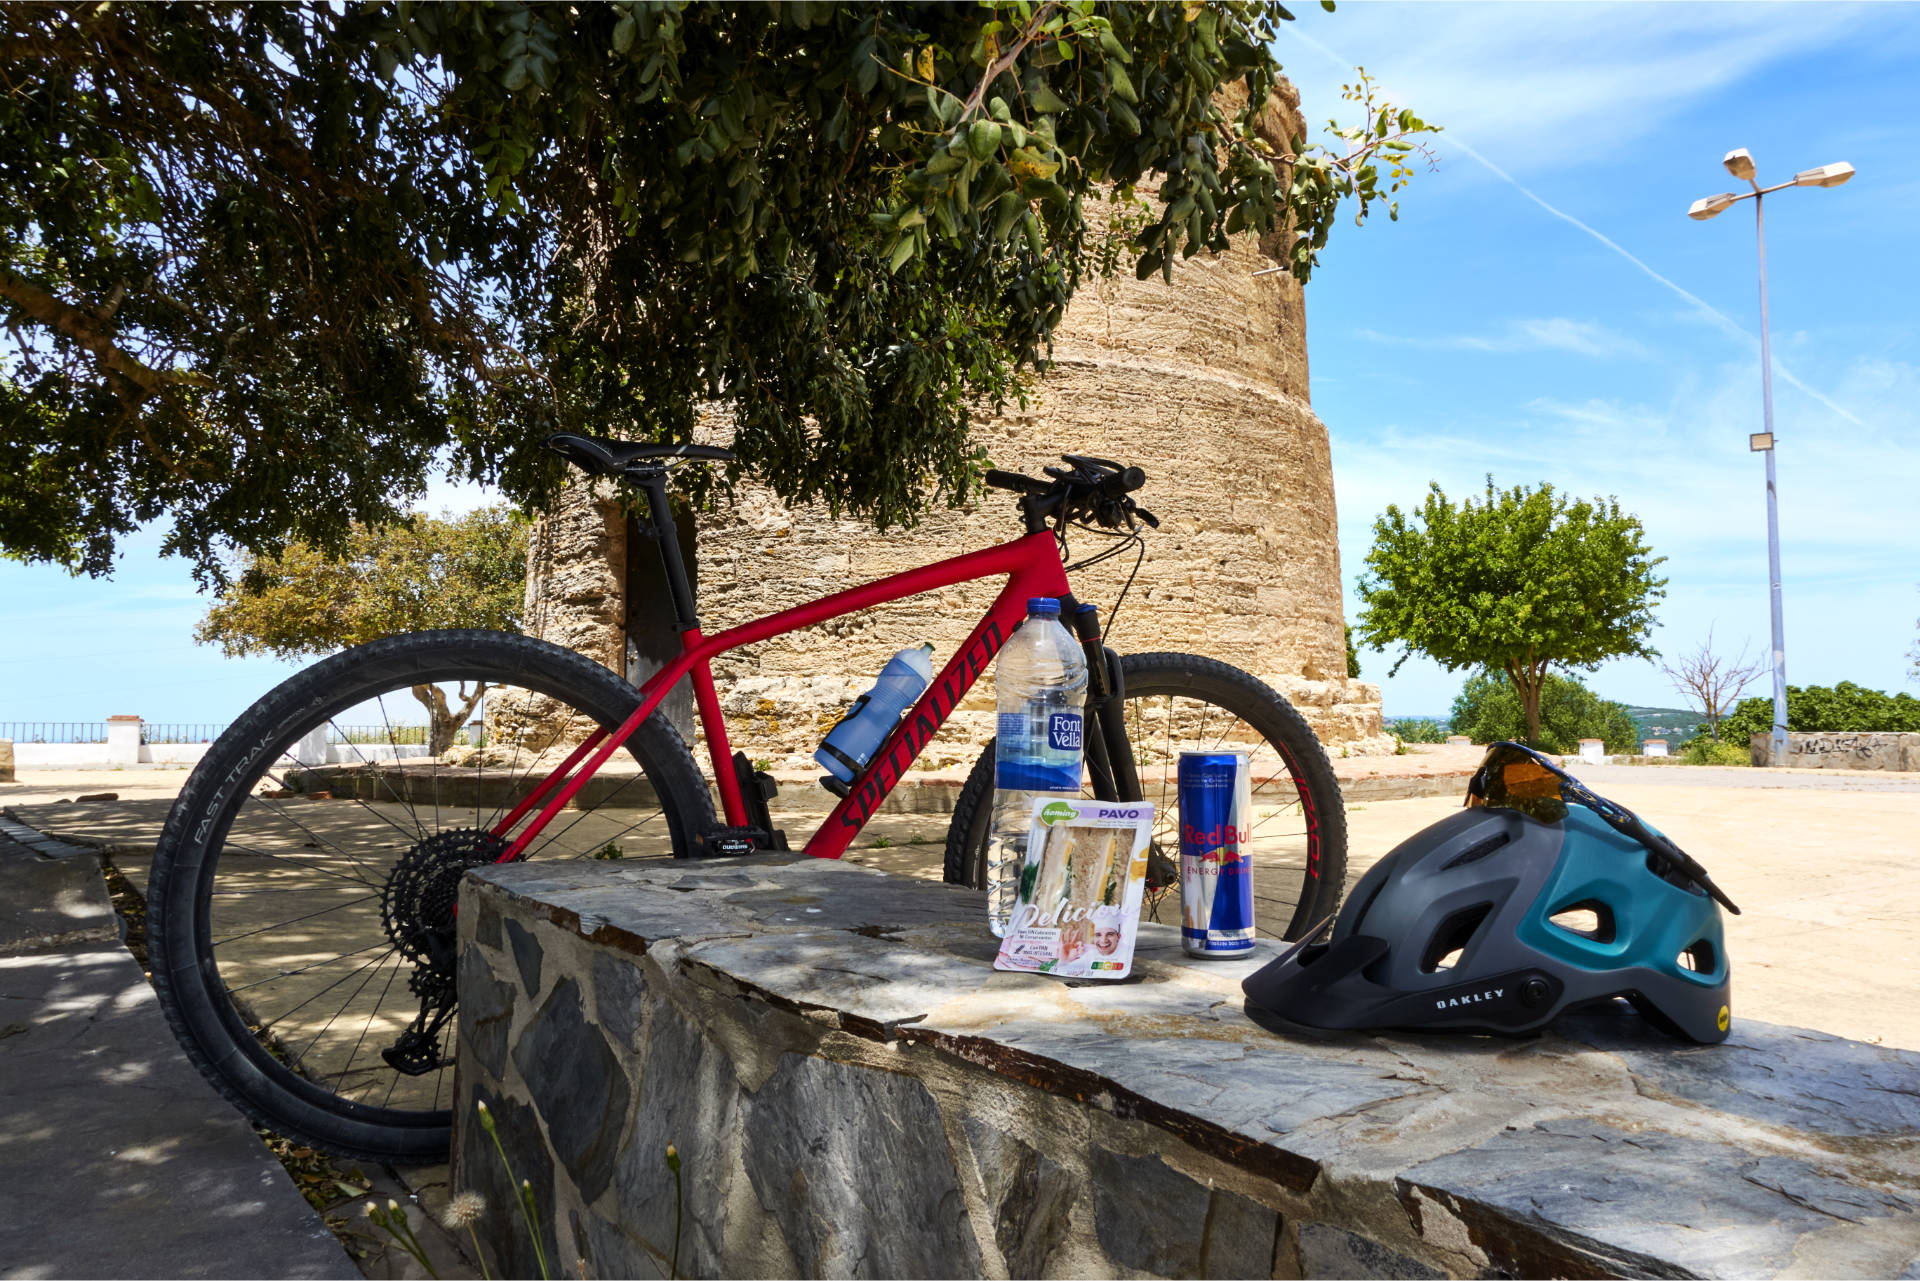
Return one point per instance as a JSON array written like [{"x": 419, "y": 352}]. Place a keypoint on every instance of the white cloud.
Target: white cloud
[
  {"x": 1549, "y": 86},
  {"x": 1578, "y": 337},
  {"x": 1851, "y": 551}
]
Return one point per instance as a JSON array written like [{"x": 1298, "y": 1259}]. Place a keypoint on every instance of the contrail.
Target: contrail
[{"x": 1727, "y": 323}]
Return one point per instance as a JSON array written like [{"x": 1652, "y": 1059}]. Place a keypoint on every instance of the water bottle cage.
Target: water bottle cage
[{"x": 826, "y": 745}]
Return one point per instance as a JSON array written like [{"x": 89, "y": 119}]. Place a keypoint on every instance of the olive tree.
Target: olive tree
[
  {"x": 1519, "y": 582},
  {"x": 454, "y": 571}
]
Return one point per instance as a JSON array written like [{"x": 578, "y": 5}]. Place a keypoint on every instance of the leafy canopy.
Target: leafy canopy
[
  {"x": 1489, "y": 709},
  {"x": 267, "y": 266},
  {"x": 454, "y": 571},
  {"x": 1518, "y": 582}
]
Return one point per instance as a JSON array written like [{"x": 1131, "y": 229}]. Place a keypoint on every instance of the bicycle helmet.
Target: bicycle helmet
[{"x": 1537, "y": 898}]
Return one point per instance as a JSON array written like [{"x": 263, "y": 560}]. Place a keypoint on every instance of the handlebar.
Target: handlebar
[{"x": 1090, "y": 489}]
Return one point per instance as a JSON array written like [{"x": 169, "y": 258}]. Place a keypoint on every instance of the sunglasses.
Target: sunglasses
[{"x": 1513, "y": 777}]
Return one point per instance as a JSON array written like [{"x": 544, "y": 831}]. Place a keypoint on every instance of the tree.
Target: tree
[
  {"x": 1488, "y": 709},
  {"x": 1713, "y": 682},
  {"x": 1519, "y": 583},
  {"x": 464, "y": 571},
  {"x": 1353, "y": 656},
  {"x": 266, "y": 267}
]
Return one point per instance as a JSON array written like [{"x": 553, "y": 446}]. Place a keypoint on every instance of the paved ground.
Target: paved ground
[
  {"x": 1823, "y": 862},
  {"x": 118, "y": 1160}
]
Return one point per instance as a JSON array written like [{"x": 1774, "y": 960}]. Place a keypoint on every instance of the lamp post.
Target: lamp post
[{"x": 1740, "y": 164}]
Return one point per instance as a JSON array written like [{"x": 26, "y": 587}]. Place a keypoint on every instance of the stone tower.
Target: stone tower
[{"x": 1203, "y": 383}]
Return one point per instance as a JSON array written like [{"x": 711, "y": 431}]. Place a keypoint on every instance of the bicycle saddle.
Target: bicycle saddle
[{"x": 598, "y": 456}]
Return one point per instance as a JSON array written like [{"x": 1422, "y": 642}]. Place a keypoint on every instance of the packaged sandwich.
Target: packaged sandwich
[{"x": 1078, "y": 909}]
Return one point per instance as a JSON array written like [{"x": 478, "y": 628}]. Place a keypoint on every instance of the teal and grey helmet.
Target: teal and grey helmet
[{"x": 1538, "y": 898}]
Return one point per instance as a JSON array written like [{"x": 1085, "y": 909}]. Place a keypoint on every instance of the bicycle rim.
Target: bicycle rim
[{"x": 319, "y": 879}]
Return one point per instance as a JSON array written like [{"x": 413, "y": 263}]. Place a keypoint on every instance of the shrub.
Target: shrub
[
  {"x": 1820, "y": 709},
  {"x": 1489, "y": 709},
  {"x": 1418, "y": 729},
  {"x": 1704, "y": 750}
]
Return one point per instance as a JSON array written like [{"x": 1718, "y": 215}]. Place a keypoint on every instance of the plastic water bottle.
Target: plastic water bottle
[
  {"x": 851, "y": 743},
  {"x": 1040, "y": 683}
]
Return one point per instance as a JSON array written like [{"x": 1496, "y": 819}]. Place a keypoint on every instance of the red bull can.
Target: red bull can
[{"x": 1216, "y": 872}]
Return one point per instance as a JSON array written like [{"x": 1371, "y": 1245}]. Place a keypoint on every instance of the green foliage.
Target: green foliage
[
  {"x": 1488, "y": 708},
  {"x": 1707, "y": 750},
  {"x": 1353, "y": 655},
  {"x": 1822, "y": 709},
  {"x": 1523, "y": 580},
  {"x": 1419, "y": 729},
  {"x": 464, "y": 571},
  {"x": 267, "y": 266}
]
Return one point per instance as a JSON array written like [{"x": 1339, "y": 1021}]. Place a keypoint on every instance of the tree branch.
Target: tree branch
[{"x": 84, "y": 329}]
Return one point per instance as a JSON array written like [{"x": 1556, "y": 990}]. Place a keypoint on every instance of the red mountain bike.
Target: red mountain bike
[{"x": 303, "y": 891}]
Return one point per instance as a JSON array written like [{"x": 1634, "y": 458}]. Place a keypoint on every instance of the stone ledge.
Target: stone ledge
[{"x": 854, "y": 1091}]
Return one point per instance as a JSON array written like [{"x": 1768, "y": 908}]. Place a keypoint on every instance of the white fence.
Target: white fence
[{"x": 128, "y": 742}]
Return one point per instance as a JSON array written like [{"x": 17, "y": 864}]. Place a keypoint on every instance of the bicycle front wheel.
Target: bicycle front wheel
[
  {"x": 302, "y": 898},
  {"x": 1179, "y": 703}
]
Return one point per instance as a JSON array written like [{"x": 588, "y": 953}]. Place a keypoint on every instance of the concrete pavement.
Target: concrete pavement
[{"x": 118, "y": 1160}]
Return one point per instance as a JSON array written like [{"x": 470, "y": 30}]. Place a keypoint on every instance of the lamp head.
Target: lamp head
[
  {"x": 1708, "y": 206},
  {"x": 1825, "y": 176},
  {"x": 1739, "y": 163}
]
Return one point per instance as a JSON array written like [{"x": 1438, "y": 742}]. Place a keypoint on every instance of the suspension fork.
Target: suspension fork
[{"x": 1109, "y": 753}]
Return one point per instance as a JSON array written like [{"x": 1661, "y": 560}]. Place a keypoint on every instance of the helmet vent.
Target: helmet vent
[
  {"x": 1450, "y": 941},
  {"x": 1479, "y": 850},
  {"x": 1589, "y": 918},
  {"x": 1699, "y": 957}
]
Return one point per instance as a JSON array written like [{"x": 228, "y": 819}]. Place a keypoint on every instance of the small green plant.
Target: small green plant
[
  {"x": 392, "y": 1219},
  {"x": 609, "y": 853},
  {"x": 883, "y": 842},
  {"x": 1399, "y": 746},
  {"x": 465, "y": 1210},
  {"x": 763, "y": 763},
  {"x": 528, "y": 1211},
  {"x": 1704, "y": 750}
]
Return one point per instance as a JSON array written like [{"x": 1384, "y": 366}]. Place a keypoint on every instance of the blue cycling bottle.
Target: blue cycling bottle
[{"x": 851, "y": 744}]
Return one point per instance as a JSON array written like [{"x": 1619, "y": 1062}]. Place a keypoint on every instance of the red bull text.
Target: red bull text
[{"x": 1216, "y": 870}]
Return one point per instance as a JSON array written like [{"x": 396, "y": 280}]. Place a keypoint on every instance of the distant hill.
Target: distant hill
[{"x": 1675, "y": 724}]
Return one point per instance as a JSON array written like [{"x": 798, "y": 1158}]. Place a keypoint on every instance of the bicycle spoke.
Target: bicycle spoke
[
  {"x": 268, "y": 1023},
  {"x": 234, "y": 938},
  {"x": 368, "y": 1025}
]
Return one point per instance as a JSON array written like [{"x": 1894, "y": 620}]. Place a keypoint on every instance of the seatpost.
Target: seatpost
[{"x": 653, "y": 483}]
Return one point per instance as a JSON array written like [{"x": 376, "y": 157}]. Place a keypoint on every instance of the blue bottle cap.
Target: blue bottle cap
[{"x": 1042, "y": 607}]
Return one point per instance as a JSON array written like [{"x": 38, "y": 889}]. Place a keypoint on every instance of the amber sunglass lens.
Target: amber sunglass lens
[{"x": 1530, "y": 780}]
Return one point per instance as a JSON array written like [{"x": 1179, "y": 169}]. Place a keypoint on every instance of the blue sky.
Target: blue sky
[{"x": 1486, "y": 331}]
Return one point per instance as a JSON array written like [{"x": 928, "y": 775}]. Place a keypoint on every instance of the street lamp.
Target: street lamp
[{"x": 1739, "y": 163}]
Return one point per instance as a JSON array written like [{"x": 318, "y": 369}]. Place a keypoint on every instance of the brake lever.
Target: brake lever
[{"x": 1143, "y": 514}]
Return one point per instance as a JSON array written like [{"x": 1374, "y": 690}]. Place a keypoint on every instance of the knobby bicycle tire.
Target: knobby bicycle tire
[
  {"x": 195, "y": 998},
  {"x": 1172, "y": 676}
]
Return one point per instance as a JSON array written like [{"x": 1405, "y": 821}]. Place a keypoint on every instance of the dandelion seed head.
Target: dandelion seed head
[{"x": 465, "y": 1209}]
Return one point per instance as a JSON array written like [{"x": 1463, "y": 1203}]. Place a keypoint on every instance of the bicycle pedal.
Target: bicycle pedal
[{"x": 733, "y": 842}]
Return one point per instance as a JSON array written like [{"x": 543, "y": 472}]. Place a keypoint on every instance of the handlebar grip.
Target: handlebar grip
[{"x": 1014, "y": 481}]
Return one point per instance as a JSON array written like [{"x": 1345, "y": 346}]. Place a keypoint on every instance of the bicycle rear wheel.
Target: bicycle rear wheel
[
  {"x": 301, "y": 905},
  {"x": 1185, "y": 703}
]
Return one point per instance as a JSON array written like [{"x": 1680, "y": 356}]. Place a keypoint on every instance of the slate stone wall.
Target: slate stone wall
[{"x": 853, "y": 1091}]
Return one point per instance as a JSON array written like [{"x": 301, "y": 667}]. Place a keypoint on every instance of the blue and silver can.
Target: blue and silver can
[{"x": 1216, "y": 872}]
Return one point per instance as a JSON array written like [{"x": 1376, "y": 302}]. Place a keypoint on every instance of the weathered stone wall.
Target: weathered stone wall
[
  {"x": 852, "y": 1091},
  {"x": 1842, "y": 751},
  {"x": 1203, "y": 383}
]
